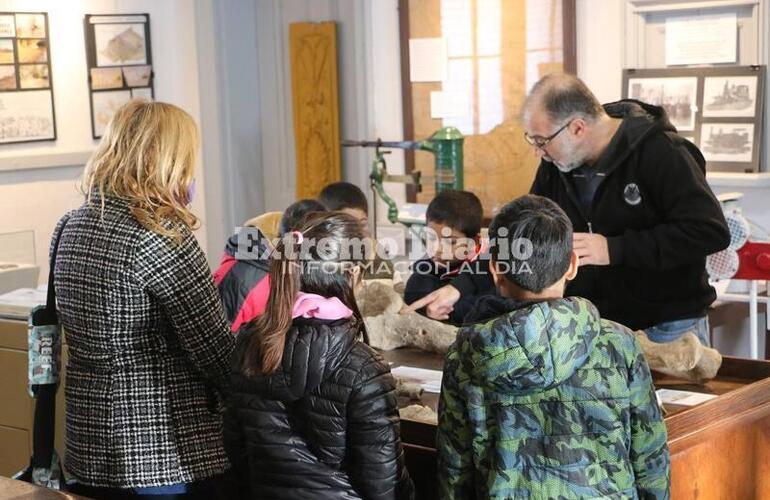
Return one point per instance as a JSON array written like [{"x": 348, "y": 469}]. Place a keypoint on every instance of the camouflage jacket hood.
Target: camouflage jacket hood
[{"x": 532, "y": 346}]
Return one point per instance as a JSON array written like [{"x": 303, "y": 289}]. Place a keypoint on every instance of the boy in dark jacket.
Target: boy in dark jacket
[
  {"x": 542, "y": 398},
  {"x": 455, "y": 256},
  {"x": 348, "y": 198}
]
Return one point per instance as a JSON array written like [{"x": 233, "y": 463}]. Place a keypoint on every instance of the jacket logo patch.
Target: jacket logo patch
[{"x": 632, "y": 195}]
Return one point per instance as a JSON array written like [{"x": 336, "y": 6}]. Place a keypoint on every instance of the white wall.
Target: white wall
[
  {"x": 36, "y": 199},
  {"x": 600, "y": 46}
]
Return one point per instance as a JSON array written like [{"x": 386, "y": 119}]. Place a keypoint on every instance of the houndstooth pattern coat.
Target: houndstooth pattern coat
[{"x": 149, "y": 351}]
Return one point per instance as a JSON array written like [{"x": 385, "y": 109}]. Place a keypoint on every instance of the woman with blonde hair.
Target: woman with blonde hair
[{"x": 149, "y": 345}]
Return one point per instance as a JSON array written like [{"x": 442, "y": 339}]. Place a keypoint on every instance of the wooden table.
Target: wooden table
[
  {"x": 719, "y": 449},
  {"x": 18, "y": 490}
]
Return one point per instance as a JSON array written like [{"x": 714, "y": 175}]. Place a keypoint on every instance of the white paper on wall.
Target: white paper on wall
[
  {"x": 427, "y": 59},
  {"x": 702, "y": 39},
  {"x": 447, "y": 104}
]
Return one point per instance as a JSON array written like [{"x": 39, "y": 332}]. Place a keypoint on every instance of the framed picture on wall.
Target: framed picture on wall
[
  {"x": 119, "y": 57},
  {"x": 727, "y": 142},
  {"x": 726, "y": 96},
  {"x": 103, "y": 105},
  {"x": 719, "y": 109},
  {"x": 678, "y": 96},
  {"x": 26, "y": 90}
]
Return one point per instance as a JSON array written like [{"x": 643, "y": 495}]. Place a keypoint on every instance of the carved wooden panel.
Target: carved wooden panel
[{"x": 313, "y": 55}]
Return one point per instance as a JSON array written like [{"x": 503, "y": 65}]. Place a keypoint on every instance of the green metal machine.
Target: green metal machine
[{"x": 446, "y": 144}]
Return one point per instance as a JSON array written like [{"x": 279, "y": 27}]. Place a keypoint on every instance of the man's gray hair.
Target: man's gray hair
[{"x": 563, "y": 97}]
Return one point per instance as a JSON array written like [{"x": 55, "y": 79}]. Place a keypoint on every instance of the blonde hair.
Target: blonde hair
[{"x": 147, "y": 157}]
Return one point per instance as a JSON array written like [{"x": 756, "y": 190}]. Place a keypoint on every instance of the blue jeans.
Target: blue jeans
[{"x": 672, "y": 330}]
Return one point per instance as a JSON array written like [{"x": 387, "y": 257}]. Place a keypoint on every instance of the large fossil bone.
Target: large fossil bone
[{"x": 685, "y": 358}]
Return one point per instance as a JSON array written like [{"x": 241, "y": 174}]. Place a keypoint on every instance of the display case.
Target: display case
[
  {"x": 18, "y": 268},
  {"x": 719, "y": 449}
]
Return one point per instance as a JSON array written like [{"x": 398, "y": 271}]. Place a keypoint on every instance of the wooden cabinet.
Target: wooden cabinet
[
  {"x": 16, "y": 406},
  {"x": 719, "y": 449}
]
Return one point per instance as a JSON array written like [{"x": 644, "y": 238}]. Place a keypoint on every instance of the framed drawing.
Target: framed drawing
[
  {"x": 119, "y": 58},
  {"x": 719, "y": 109},
  {"x": 727, "y": 142},
  {"x": 26, "y": 90},
  {"x": 727, "y": 96}
]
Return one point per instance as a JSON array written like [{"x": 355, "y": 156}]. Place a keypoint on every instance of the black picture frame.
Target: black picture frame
[
  {"x": 756, "y": 121},
  {"x": 89, "y": 25},
  {"x": 16, "y": 64}
]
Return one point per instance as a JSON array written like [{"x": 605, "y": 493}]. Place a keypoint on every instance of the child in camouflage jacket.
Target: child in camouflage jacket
[{"x": 541, "y": 397}]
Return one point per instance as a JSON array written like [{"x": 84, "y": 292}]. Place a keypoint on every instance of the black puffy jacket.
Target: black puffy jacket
[{"x": 324, "y": 425}]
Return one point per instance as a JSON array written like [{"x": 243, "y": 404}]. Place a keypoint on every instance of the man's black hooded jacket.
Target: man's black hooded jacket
[{"x": 659, "y": 215}]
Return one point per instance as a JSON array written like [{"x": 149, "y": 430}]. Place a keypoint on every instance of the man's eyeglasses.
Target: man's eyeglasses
[{"x": 542, "y": 142}]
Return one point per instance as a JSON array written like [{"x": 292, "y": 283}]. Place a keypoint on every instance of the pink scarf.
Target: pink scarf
[{"x": 310, "y": 305}]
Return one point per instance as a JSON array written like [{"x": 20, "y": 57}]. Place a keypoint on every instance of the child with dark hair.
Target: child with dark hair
[
  {"x": 454, "y": 261},
  {"x": 542, "y": 398},
  {"x": 345, "y": 197},
  {"x": 313, "y": 411},
  {"x": 348, "y": 198},
  {"x": 241, "y": 278},
  {"x": 296, "y": 213}
]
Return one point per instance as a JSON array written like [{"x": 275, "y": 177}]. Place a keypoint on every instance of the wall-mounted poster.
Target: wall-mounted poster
[
  {"x": 119, "y": 57},
  {"x": 678, "y": 96},
  {"x": 26, "y": 91},
  {"x": 725, "y": 105}
]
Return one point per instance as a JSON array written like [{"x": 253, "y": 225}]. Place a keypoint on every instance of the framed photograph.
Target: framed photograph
[
  {"x": 106, "y": 78},
  {"x": 678, "y": 96},
  {"x": 6, "y": 52},
  {"x": 726, "y": 114},
  {"x": 118, "y": 44},
  {"x": 730, "y": 96},
  {"x": 34, "y": 76},
  {"x": 103, "y": 106},
  {"x": 7, "y": 26},
  {"x": 137, "y": 76},
  {"x": 119, "y": 57},
  {"x": 8, "y": 77},
  {"x": 26, "y": 91},
  {"x": 26, "y": 116},
  {"x": 728, "y": 142},
  {"x": 142, "y": 93},
  {"x": 31, "y": 25},
  {"x": 32, "y": 50}
]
